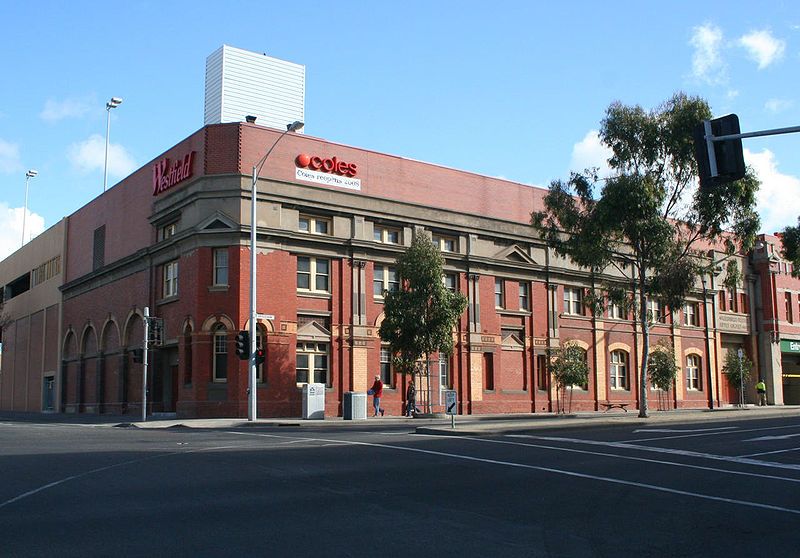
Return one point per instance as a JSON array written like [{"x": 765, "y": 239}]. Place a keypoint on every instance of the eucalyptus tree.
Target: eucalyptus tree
[{"x": 648, "y": 215}]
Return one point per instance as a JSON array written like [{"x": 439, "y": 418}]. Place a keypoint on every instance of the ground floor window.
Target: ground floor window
[
  {"x": 693, "y": 372},
  {"x": 312, "y": 363},
  {"x": 619, "y": 370},
  {"x": 386, "y": 366},
  {"x": 444, "y": 372},
  {"x": 220, "y": 372}
]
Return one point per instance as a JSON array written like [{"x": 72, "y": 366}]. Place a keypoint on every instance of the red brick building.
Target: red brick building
[{"x": 332, "y": 219}]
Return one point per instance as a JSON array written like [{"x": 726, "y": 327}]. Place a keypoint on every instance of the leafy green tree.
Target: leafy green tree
[
  {"x": 569, "y": 369},
  {"x": 791, "y": 247},
  {"x": 737, "y": 370},
  {"x": 662, "y": 367},
  {"x": 421, "y": 314},
  {"x": 648, "y": 216}
]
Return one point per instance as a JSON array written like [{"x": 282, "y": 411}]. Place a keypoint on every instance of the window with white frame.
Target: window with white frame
[
  {"x": 386, "y": 366},
  {"x": 220, "y": 364},
  {"x": 313, "y": 274},
  {"x": 573, "y": 301},
  {"x": 386, "y": 235},
  {"x": 314, "y": 225},
  {"x": 655, "y": 311},
  {"x": 615, "y": 311},
  {"x": 445, "y": 243},
  {"x": 690, "y": 314},
  {"x": 693, "y": 372},
  {"x": 220, "y": 266},
  {"x": 167, "y": 231},
  {"x": 312, "y": 363},
  {"x": 384, "y": 278},
  {"x": 444, "y": 372},
  {"x": 524, "y": 297},
  {"x": 449, "y": 280},
  {"x": 499, "y": 293},
  {"x": 619, "y": 370},
  {"x": 170, "y": 279}
]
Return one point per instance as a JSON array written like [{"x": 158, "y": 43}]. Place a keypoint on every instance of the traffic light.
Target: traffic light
[
  {"x": 260, "y": 357},
  {"x": 727, "y": 154},
  {"x": 138, "y": 356},
  {"x": 243, "y": 345}
]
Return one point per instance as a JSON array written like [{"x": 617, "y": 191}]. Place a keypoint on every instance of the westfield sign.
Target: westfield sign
[{"x": 166, "y": 175}]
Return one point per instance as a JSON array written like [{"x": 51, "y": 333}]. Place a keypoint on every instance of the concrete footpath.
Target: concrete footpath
[{"x": 465, "y": 425}]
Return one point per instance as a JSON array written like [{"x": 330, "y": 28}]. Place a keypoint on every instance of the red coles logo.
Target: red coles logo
[{"x": 331, "y": 165}]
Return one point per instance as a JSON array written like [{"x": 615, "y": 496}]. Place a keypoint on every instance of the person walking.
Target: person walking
[
  {"x": 377, "y": 392},
  {"x": 411, "y": 398},
  {"x": 761, "y": 388}
]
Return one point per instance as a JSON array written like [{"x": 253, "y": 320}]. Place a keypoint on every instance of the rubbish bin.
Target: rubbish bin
[
  {"x": 314, "y": 401},
  {"x": 354, "y": 406}
]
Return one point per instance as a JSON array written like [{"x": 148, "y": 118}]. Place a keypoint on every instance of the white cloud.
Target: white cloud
[
  {"x": 89, "y": 155},
  {"x": 778, "y": 200},
  {"x": 777, "y": 105},
  {"x": 9, "y": 157},
  {"x": 762, "y": 47},
  {"x": 11, "y": 228},
  {"x": 732, "y": 94},
  {"x": 54, "y": 111},
  {"x": 707, "y": 63},
  {"x": 589, "y": 152}
]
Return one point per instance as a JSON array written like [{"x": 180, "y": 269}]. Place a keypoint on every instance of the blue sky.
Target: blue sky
[{"x": 510, "y": 89}]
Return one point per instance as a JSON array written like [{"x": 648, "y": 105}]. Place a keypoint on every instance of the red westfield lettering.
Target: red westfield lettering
[
  {"x": 166, "y": 176},
  {"x": 331, "y": 165}
]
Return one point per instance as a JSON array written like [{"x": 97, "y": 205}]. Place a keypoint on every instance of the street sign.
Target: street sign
[
  {"x": 450, "y": 402},
  {"x": 265, "y": 316}
]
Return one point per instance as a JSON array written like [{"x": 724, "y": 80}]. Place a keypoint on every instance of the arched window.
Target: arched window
[
  {"x": 220, "y": 361},
  {"x": 619, "y": 370},
  {"x": 693, "y": 373}
]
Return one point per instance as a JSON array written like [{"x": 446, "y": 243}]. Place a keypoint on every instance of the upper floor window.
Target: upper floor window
[
  {"x": 313, "y": 274},
  {"x": 656, "y": 311},
  {"x": 445, "y": 243},
  {"x": 167, "y": 231},
  {"x": 221, "y": 266},
  {"x": 384, "y": 278},
  {"x": 170, "y": 279},
  {"x": 524, "y": 297},
  {"x": 314, "y": 225},
  {"x": 573, "y": 301},
  {"x": 690, "y": 314},
  {"x": 450, "y": 281},
  {"x": 787, "y": 296},
  {"x": 386, "y": 235},
  {"x": 615, "y": 311},
  {"x": 499, "y": 293}
]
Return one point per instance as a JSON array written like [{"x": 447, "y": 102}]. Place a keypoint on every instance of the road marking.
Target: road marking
[
  {"x": 770, "y": 438},
  {"x": 770, "y": 452},
  {"x": 611, "y": 480},
  {"x": 685, "y": 430},
  {"x": 683, "y": 453},
  {"x": 712, "y": 433}
]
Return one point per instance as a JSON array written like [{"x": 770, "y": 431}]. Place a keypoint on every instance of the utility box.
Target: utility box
[
  {"x": 354, "y": 406},
  {"x": 314, "y": 401}
]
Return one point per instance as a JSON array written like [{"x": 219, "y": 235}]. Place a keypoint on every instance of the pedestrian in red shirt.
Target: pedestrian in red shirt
[{"x": 377, "y": 392}]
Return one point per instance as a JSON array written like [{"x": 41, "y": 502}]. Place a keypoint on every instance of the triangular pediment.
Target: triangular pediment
[
  {"x": 514, "y": 253},
  {"x": 513, "y": 341},
  {"x": 312, "y": 331},
  {"x": 217, "y": 221}
]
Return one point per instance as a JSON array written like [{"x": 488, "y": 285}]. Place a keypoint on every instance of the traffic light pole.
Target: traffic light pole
[{"x": 144, "y": 362}]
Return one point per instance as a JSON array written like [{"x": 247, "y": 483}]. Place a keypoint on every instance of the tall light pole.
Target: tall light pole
[
  {"x": 28, "y": 175},
  {"x": 113, "y": 103},
  {"x": 252, "y": 363}
]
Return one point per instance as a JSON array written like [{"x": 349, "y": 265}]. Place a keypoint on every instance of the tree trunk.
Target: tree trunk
[{"x": 645, "y": 345}]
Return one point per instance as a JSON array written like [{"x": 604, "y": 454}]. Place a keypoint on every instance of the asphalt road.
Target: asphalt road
[{"x": 695, "y": 489}]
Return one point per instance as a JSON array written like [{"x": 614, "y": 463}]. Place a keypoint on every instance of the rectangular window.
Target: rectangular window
[
  {"x": 615, "y": 311},
  {"x": 542, "y": 372},
  {"x": 690, "y": 312},
  {"x": 573, "y": 301},
  {"x": 444, "y": 372},
  {"x": 655, "y": 311},
  {"x": 386, "y": 235},
  {"x": 220, "y": 373},
  {"x": 384, "y": 278},
  {"x": 499, "y": 293},
  {"x": 619, "y": 370},
  {"x": 524, "y": 301},
  {"x": 312, "y": 363},
  {"x": 788, "y": 301},
  {"x": 693, "y": 373},
  {"x": 449, "y": 280},
  {"x": 99, "y": 248},
  {"x": 170, "y": 279},
  {"x": 744, "y": 307},
  {"x": 167, "y": 231},
  {"x": 314, "y": 225},
  {"x": 488, "y": 371},
  {"x": 732, "y": 301},
  {"x": 221, "y": 266},
  {"x": 722, "y": 306},
  {"x": 445, "y": 243},
  {"x": 313, "y": 274},
  {"x": 386, "y": 366}
]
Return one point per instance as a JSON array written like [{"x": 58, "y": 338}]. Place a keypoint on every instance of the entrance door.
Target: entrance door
[{"x": 49, "y": 393}]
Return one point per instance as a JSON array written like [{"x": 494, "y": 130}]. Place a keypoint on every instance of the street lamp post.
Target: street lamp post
[
  {"x": 28, "y": 175},
  {"x": 252, "y": 363},
  {"x": 113, "y": 103}
]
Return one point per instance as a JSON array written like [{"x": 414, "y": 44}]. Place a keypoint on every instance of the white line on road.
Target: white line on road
[
  {"x": 712, "y": 433},
  {"x": 685, "y": 430},
  {"x": 770, "y": 452},
  {"x": 547, "y": 470},
  {"x": 770, "y": 438}
]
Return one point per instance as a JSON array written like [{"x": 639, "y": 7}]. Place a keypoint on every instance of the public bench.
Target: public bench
[{"x": 610, "y": 406}]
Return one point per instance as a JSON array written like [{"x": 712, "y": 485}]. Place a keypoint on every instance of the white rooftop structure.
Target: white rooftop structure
[{"x": 240, "y": 83}]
